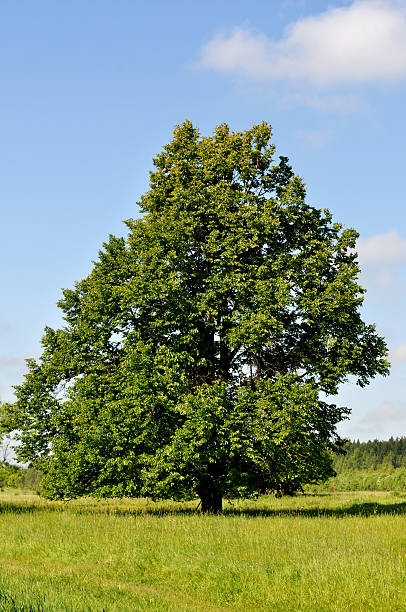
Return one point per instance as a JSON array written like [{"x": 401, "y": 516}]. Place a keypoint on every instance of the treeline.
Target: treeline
[
  {"x": 21, "y": 477},
  {"x": 375, "y": 465},
  {"x": 10, "y": 475},
  {"x": 372, "y": 455}
]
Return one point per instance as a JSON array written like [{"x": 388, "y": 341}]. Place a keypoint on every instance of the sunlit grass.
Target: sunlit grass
[{"x": 338, "y": 552}]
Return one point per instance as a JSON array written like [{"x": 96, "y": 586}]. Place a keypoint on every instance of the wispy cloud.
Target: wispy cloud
[
  {"x": 364, "y": 42},
  {"x": 398, "y": 354},
  {"x": 342, "y": 103},
  {"x": 12, "y": 362},
  {"x": 12, "y": 370},
  {"x": 389, "y": 248},
  {"x": 387, "y": 411},
  {"x": 382, "y": 258},
  {"x": 314, "y": 138}
]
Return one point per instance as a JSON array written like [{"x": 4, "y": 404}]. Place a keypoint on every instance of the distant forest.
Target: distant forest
[
  {"x": 372, "y": 455},
  {"x": 369, "y": 466}
]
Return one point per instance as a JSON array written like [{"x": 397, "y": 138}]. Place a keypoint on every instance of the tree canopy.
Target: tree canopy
[{"x": 197, "y": 356}]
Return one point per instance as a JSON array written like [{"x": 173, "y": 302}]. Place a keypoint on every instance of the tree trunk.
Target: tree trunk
[{"x": 212, "y": 502}]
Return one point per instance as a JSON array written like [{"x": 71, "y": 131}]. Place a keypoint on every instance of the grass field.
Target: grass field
[{"x": 331, "y": 552}]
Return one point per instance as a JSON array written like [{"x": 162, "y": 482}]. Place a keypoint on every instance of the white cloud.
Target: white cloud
[
  {"x": 361, "y": 43},
  {"x": 398, "y": 354},
  {"x": 314, "y": 138},
  {"x": 12, "y": 370},
  {"x": 342, "y": 103},
  {"x": 387, "y": 411},
  {"x": 12, "y": 362},
  {"x": 389, "y": 248}
]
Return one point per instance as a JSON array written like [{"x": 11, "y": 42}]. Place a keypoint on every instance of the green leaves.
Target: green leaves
[{"x": 194, "y": 353}]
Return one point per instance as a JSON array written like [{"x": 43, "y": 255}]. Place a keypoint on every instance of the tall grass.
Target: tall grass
[
  {"x": 340, "y": 552},
  {"x": 365, "y": 480}
]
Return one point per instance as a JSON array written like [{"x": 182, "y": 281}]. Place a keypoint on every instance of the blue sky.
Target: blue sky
[{"x": 90, "y": 91}]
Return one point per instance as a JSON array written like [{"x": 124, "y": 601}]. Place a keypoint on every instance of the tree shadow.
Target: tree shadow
[
  {"x": 23, "y": 508},
  {"x": 359, "y": 509},
  {"x": 365, "y": 509}
]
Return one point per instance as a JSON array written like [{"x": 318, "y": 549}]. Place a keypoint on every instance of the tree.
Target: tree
[
  {"x": 10, "y": 475},
  {"x": 194, "y": 355}
]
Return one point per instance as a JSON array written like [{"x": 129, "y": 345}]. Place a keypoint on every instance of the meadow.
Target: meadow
[{"x": 338, "y": 552}]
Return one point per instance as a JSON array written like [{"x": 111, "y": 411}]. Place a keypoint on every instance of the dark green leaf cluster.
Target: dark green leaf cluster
[{"x": 194, "y": 354}]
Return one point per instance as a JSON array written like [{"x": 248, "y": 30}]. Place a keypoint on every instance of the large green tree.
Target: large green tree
[{"x": 197, "y": 356}]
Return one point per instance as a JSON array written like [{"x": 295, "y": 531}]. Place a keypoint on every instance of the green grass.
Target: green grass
[
  {"x": 331, "y": 552},
  {"x": 364, "y": 480}
]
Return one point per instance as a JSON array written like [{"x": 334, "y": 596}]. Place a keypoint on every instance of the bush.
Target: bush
[{"x": 10, "y": 475}]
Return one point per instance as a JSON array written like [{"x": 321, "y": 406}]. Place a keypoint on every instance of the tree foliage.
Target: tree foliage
[
  {"x": 10, "y": 475},
  {"x": 194, "y": 355}
]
